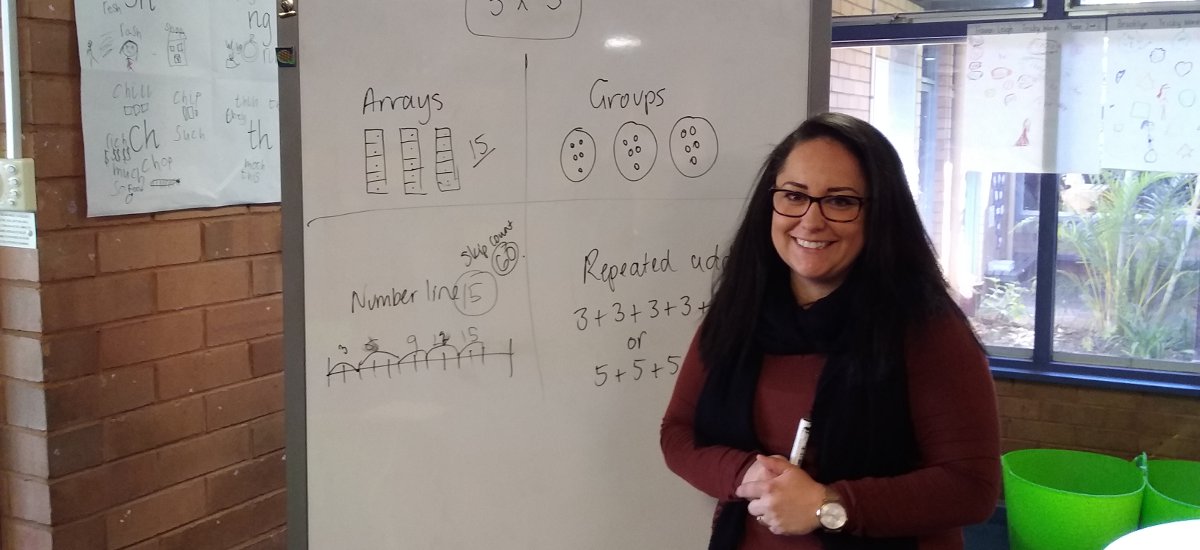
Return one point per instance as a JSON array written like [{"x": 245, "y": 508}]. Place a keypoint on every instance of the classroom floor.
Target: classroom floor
[
  {"x": 989, "y": 535},
  {"x": 992, "y": 535}
]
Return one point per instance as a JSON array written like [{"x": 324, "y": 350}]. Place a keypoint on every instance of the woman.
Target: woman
[{"x": 833, "y": 308}]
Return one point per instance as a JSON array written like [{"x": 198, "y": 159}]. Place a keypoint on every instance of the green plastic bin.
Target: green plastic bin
[
  {"x": 1069, "y": 500},
  {"x": 1172, "y": 490}
]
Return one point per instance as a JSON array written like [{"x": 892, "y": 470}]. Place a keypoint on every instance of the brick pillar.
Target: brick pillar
[
  {"x": 141, "y": 384},
  {"x": 26, "y": 461},
  {"x": 24, "y": 445}
]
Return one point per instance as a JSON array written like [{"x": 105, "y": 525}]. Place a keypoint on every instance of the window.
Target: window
[
  {"x": 977, "y": 220},
  {"x": 888, "y": 7},
  {"x": 1054, "y": 167},
  {"x": 1128, "y": 269}
]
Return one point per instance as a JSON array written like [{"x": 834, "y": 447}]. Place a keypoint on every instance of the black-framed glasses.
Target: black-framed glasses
[{"x": 835, "y": 208}]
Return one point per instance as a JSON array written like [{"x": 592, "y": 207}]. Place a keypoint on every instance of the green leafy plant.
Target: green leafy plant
[
  {"x": 1004, "y": 301},
  {"x": 1132, "y": 249}
]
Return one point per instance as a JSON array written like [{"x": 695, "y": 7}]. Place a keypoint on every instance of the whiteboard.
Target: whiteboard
[
  {"x": 179, "y": 103},
  {"x": 510, "y": 215}
]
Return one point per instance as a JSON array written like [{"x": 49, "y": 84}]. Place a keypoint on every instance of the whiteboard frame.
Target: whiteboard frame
[
  {"x": 292, "y": 197},
  {"x": 291, "y": 174}
]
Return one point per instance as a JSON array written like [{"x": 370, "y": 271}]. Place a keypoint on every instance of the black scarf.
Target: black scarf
[{"x": 861, "y": 422}]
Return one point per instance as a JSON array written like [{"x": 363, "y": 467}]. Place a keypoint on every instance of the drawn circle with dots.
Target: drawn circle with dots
[
  {"x": 694, "y": 146},
  {"x": 635, "y": 149},
  {"x": 578, "y": 155}
]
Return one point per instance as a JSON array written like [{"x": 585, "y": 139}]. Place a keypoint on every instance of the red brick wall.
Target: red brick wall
[
  {"x": 1112, "y": 422},
  {"x": 140, "y": 356},
  {"x": 850, "y": 81}
]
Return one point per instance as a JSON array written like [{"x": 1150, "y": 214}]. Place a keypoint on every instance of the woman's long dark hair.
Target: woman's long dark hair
[
  {"x": 861, "y": 416},
  {"x": 904, "y": 280}
]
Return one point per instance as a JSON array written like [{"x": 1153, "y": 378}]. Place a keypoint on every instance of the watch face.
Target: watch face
[{"x": 832, "y": 515}]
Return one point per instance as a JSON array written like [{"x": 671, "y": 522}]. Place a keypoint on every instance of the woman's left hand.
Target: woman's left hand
[{"x": 787, "y": 503}]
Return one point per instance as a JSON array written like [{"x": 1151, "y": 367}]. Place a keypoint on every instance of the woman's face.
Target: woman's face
[{"x": 818, "y": 251}]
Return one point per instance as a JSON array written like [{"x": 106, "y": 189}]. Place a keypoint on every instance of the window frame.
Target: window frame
[{"x": 1040, "y": 365}]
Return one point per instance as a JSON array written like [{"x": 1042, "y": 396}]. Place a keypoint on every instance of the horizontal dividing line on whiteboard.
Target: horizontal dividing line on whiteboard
[{"x": 519, "y": 203}]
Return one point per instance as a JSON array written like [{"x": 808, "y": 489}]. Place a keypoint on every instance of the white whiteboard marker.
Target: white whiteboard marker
[{"x": 801, "y": 442}]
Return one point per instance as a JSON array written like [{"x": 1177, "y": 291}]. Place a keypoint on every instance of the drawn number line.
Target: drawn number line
[{"x": 446, "y": 354}]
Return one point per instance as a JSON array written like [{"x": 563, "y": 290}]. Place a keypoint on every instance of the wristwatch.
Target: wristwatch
[{"x": 831, "y": 514}]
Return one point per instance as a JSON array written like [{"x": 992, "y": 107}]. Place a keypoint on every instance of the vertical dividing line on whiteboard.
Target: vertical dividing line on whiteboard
[{"x": 525, "y": 204}]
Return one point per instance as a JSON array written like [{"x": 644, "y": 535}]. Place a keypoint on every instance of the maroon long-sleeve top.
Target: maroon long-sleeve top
[{"x": 953, "y": 407}]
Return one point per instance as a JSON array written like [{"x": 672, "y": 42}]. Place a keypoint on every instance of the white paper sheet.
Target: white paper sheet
[
  {"x": 179, "y": 104},
  {"x": 1152, "y": 119}
]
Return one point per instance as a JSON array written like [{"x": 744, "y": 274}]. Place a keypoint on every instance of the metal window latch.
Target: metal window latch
[{"x": 287, "y": 8}]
